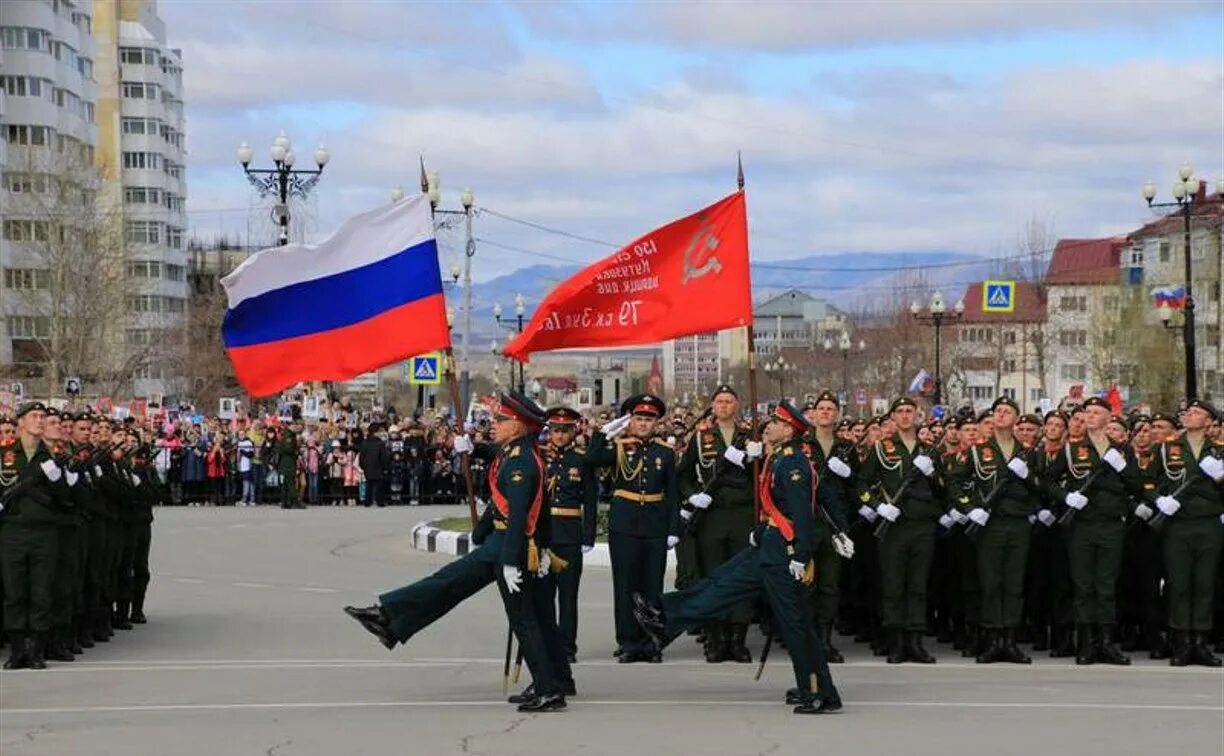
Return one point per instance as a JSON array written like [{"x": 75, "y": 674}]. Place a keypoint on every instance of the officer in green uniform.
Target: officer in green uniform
[
  {"x": 93, "y": 529},
  {"x": 997, "y": 493},
  {"x": 1141, "y": 612},
  {"x": 833, "y": 459},
  {"x": 1192, "y": 467},
  {"x": 715, "y": 482},
  {"x": 129, "y": 523},
  {"x": 67, "y": 549},
  {"x": 911, "y": 490},
  {"x": 571, "y": 502},
  {"x": 149, "y": 492},
  {"x": 29, "y": 481},
  {"x": 111, "y": 489},
  {"x": 778, "y": 566},
  {"x": 1093, "y": 478},
  {"x": 643, "y": 520},
  {"x": 507, "y": 553},
  {"x": 286, "y": 467}
]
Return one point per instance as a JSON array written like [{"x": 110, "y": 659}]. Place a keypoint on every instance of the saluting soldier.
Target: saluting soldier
[
  {"x": 507, "y": 553},
  {"x": 1093, "y": 477},
  {"x": 1192, "y": 467},
  {"x": 832, "y": 459},
  {"x": 998, "y": 492},
  {"x": 571, "y": 502},
  {"x": 644, "y": 518},
  {"x": 779, "y": 565},
  {"x": 911, "y": 491},
  {"x": 715, "y": 482},
  {"x": 30, "y": 519}
]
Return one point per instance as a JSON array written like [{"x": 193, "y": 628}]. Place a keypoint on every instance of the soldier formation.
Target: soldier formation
[
  {"x": 76, "y": 512},
  {"x": 1082, "y": 533}
]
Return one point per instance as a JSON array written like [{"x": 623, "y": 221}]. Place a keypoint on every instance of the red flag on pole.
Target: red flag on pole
[{"x": 690, "y": 276}]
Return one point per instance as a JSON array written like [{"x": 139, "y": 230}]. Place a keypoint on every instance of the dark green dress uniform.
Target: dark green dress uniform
[
  {"x": 1192, "y": 541},
  {"x": 986, "y": 483},
  {"x": 1049, "y": 598},
  {"x": 113, "y": 487},
  {"x": 786, "y": 533},
  {"x": 1094, "y": 541},
  {"x": 89, "y": 503},
  {"x": 907, "y": 546},
  {"x": 29, "y": 528},
  {"x": 149, "y": 491},
  {"x": 287, "y": 465},
  {"x": 67, "y": 558},
  {"x": 831, "y": 494},
  {"x": 720, "y": 531},
  {"x": 130, "y": 516},
  {"x": 505, "y": 537},
  {"x": 643, "y": 514},
  {"x": 571, "y": 503},
  {"x": 1141, "y": 611}
]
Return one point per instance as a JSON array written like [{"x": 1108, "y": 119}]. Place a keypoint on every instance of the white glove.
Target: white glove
[
  {"x": 754, "y": 449},
  {"x": 838, "y": 467},
  {"x": 1077, "y": 500},
  {"x": 587, "y": 548},
  {"x": 513, "y": 577},
  {"x": 979, "y": 516},
  {"x": 946, "y": 521},
  {"x": 888, "y": 512},
  {"x": 1114, "y": 459},
  {"x": 924, "y": 465},
  {"x": 1144, "y": 512},
  {"x": 796, "y": 569},
  {"x": 672, "y": 541},
  {"x": 616, "y": 427},
  {"x": 701, "y": 500},
  {"x": 51, "y": 470},
  {"x": 1046, "y": 517},
  {"x": 958, "y": 516},
  {"x": 686, "y": 514},
  {"x": 72, "y": 478},
  {"x": 1032, "y": 519},
  {"x": 843, "y": 546},
  {"x": 867, "y": 513},
  {"x": 97, "y": 471},
  {"x": 1168, "y": 505},
  {"x": 1213, "y": 468},
  {"x": 545, "y": 563},
  {"x": 1017, "y": 466},
  {"x": 136, "y": 480},
  {"x": 463, "y": 445},
  {"x": 734, "y": 456}
]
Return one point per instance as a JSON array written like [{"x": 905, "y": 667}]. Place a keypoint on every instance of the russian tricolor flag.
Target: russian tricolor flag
[
  {"x": 368, "y": 296},
  {"x": 1171, "y": 296}
]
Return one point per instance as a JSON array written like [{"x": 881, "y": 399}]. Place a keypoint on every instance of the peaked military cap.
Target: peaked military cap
[
  {"x": 1205, "y": 406},
  {"x": 522, "y": 408},
  {"x": 29, "y": 407},
  {"x": 1005, "y": 401},
  {"x": 563, "y": 416},
  {"x": 644, "y": 404},
  {"x": 786, "y": 412},
  {"x": 723, "y": 389}
]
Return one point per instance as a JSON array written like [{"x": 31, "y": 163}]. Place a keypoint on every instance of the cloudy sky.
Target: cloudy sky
[{"x": 865, "y": 126}]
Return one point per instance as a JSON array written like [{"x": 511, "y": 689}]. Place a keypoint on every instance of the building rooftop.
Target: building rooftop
[
  {"x": 1085, "y": 261},
  {"x": 1030, "y": 305}
]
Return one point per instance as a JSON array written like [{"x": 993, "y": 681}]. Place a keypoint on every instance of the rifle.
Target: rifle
[
  {"x": 881, "y": 529},
  {"x": 988, "y": 501},
  {"x": 1156, "y": 522},
  {"x": 1069, "y": 515}
]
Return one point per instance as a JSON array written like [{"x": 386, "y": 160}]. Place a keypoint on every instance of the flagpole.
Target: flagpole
[{"x": 752, "y": 368}]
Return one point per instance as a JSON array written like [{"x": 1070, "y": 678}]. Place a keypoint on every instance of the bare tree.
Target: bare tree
[{"x": 1034, "y": 246}]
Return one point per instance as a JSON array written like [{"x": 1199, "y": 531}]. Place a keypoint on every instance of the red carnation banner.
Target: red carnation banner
[{"x": 690, "y": 276}]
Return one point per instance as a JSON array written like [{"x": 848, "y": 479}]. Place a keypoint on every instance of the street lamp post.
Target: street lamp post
[
  {"x": 936, "y": 313},
  {"x": 845, "y": 347},
  {"x": 520, "y": 308},
  {"x": 282, "y": 181},
  {"x": 778, "y": 369},
  {"x": 1185, "y": 193}
]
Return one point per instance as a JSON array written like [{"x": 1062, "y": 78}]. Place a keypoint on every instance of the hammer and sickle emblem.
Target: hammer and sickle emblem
[{"x": 699, "y": 258}]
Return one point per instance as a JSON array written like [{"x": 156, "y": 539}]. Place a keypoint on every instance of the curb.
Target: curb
[{"x": 426, "y": 537}]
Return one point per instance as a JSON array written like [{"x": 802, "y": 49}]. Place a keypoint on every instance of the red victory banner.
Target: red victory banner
[{"x": 690, "y": 276}]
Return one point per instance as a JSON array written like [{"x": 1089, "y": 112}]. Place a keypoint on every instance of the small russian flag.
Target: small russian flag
[{"x": 1170, "y": 296}]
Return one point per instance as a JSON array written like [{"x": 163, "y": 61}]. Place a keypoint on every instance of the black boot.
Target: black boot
[
  {"x": 17, "y": 652},
  {"x": 826, "y": 633},
  {"x": 652, "y": 622},
  {"x": 1158, "y": 647},
  {"x": 1063, "y": 646},
  {"x": 138, "y": 615},
  {"x": 1202, "y": 652},
  {"x": 55, "y": 649},
  {"x": 914, "y": 649},
  {"x": 973, "y": 641},
  {"x": 714, "y": 646},
  {"x": 374, "y": 620},
  {"x": 528, "y": 694},
  {"x": 1085, "y": 644},
  {"x": 1183, "y": 650},
  {"x": 896, "y": 646},
  {"x": 808, "y": 703},
  {"x": 1129, "y": 637},
  {"x": 1012, "y": 652},
  {"x": 1041, "y": 638},
  {"x": 1108, "y": 651},
  {"x": 122, "y": 610},
  {"x": 992, "y": 650},
  {"x": 101, "y": 620},
  {"x": 736, "y": 648},
  {"x": 84, "y": 635},
  {"x": 550, "y": 702},
  {"x": 34, "y": 651},
  {"x": 70, "y": 639}
]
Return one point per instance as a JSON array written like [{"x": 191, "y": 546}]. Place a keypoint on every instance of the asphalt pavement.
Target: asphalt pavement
[{"x": 247, "y": 652}]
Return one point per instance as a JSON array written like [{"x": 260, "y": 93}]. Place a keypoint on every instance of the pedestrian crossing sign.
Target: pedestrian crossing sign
[
  {"x": 998, "y": 296},
  {"x": 424, "y": 370}
]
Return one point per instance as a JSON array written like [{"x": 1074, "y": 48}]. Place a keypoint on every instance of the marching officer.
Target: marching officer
[
  {"x": 715, "y": 482},
  {"x": 61, "y": 642},
  {"x": 1093, "y": 478},
  {"x": 911, "y": 489},
  {"x": 571, "y": 501},
  {"x": 1192, "y": 501},
  {"x": 507, "y": 553},
  {"x": 643, "y": 520},
  {"x": 778, "y": 565},
  {"x": 997, "y": 493}
]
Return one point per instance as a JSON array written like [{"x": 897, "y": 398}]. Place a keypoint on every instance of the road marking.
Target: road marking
[
  {"x": 251, "y": 585},
  {"x": 309, "y": 589},
  {"x": 187, "y": 580},
  {"x": 678, "y": 703}
]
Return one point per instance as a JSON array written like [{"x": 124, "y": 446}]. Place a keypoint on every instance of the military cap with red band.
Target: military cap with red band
[
  {"x": 563, "y": 416},
  {"x": 644, "y": 404},
  {"x": 523, "y": 409},
  {"x": 787, "y": 413}
]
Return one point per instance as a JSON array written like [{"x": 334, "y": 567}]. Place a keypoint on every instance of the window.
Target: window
[
  {"x": 1073, "y": 372},
  {"x": 142, "y": 195},
  {"x": 1136, "y": 256},
  {"x": 28, "y": 327},
  {"x": 140, "y": 90},
  {"x": 138, "y": 56},
  {"x": 141, "y": 126},
  {"x": 144, "y": 269},
  {"x": 173, "y": 305},
  {"x": 139, "y": 336},
  {"x": 144, "y": 303},
  {"x": 89, "y": 112},
  {"x": 1110, "y": 302},
  {"x": 979, "y": 335},
  {"x": 22, "y": 38},
  {"x": 174, "y": 237},
  {"x": 980, "y": 393},
  {"x": 1073, "y": 338},
  {"x": 174, "y": 272},
  {"x": 1009, "y": 366},
  {"x": 1009, "y": 337},
  {"x": 26, "y": 278},
  {"x": 147, "y": 161},
  {"x": 1165, "y": 251},
  {"x": 28, "y": 183},
  {"x": 1073, "y": 303},
  {"x": 27, "y": 230},
  {"x": 25, "y": 86},
  {"x": 1010, "y": 393},
  {"x": 142, "y": 232},
  {"x": 39, "y": 136}
]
